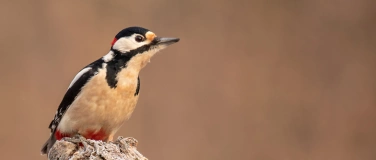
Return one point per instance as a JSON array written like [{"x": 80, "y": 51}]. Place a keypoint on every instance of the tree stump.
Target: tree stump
[{"x": 121, "y": 149}]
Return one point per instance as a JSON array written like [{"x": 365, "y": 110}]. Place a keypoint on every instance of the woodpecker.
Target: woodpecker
[{"x": 103, "y": 95}]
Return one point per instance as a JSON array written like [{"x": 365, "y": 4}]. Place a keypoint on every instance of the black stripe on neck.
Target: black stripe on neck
[
  {"x": 119, "y": 62},
  {"x": 138, "y": 87},
  {"x": 136, "y": 51},
  {"x": 115, "y": 66}
]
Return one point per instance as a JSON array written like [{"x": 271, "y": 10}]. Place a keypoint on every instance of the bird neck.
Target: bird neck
[
  {"x": 133, "y": 60},
  {"x": 123, "y": 66}
]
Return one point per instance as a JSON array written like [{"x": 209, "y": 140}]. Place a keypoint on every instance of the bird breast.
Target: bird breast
[{"x": 101, "y": 108}]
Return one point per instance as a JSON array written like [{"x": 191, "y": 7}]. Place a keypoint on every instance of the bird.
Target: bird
[{"x": 103, "y": 95}]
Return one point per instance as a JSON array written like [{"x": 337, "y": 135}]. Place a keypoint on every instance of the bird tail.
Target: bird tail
[{"x": 47, "y": 146}]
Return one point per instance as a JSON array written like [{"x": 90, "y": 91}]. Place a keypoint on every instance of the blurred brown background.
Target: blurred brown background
[{"x": 257, "y": 79}]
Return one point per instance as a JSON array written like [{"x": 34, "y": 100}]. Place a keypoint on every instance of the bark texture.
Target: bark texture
[{"x": 77, "y": 149}]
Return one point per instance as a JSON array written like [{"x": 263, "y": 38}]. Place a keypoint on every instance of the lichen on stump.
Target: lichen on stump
[{"x": 121, "y": 149}]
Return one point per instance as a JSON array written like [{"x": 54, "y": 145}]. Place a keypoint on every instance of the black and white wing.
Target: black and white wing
[{"x": 73, "y": 90}]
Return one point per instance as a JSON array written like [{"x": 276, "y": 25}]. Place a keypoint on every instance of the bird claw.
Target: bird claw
[
  {"x": 71, "y": 139},
  {"x": 81, "y": 141},
  {"x": 77, "y": 139}
]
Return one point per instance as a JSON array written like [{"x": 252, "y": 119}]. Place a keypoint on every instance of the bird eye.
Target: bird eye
[{"x": 139, "y": 38}]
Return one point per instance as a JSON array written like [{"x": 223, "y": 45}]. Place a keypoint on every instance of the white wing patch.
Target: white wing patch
[{"x": 79, "y": 74}]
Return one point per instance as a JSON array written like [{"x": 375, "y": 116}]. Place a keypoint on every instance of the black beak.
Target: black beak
[{"x": 165, "y": 41}]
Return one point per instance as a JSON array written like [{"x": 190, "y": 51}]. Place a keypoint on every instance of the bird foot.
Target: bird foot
[
  {"x": 77, "y": 139},
  {"x": 81, "y": 141}
]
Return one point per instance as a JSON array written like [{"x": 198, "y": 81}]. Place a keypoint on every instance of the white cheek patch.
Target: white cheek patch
[
  {"x": 126, "y": 44},
  {"x": 79, "y": 74}
]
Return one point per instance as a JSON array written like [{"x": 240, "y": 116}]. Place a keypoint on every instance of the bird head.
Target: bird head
[
  {"x": 138, "y": 40},
  {"x": 138, "y": 45}
]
